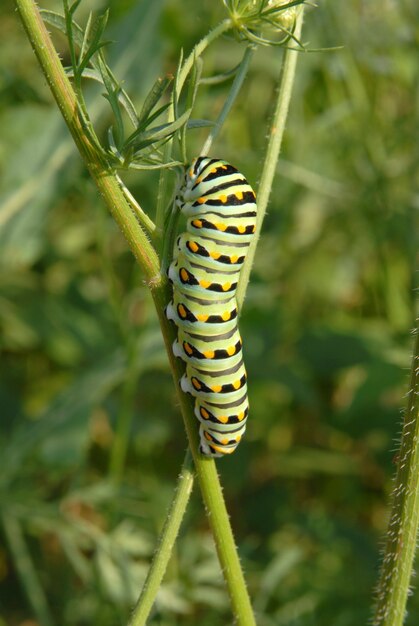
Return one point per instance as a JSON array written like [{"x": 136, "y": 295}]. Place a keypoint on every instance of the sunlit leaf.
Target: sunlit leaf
[
  {"x": 140, "y": 139},
  {"x": 92, "y": 41}
]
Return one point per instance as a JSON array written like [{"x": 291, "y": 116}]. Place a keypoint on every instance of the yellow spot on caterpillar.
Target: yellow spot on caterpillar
[
  {"x": 223, "y": 167},
  {"x": 191, "y": 172},
  {"x": 215, "y": 255},
  {"x": 184, "y": 274},
  {"x": 182, "y": 311},
  {"x": 199, "y": 179},
  {"x": 223, "y": 419},
  {"x": 233, "y": 259},
  {"x": 196, "y": 383},
  {"x": 204, "y": 283},
  {"x": 238, "y": 438},
  {"x": 231, "y": 350},
  {"x": 224, "y": 441},
  {"x": 223, "y": 450},
  {"x": 217, "y": 388},
  {"x": 197, "y": 223},
  {"x": 239, "y": 195},
  {"x": 187, "y": 348},
  {"x": 207, "y": 436},
  {"x": 220, "y": 226},
  {"x": 241, "y": 229},
  {"x": 193, "y": 246},
  {"x": 223, "y": 198},
  {"x": 240, "y": 416},
  {"x": 204, "y": 413},
  {"x": 226, "y": 315},
  {"x": 202, "y": 318},
  {"x": 209, "y": 354},
  {"x": 237, "y": 384},
  {"x": 201, "y": 200},
  {"x": 226, "y": 286},
  {"x": 214, "y": 169}
]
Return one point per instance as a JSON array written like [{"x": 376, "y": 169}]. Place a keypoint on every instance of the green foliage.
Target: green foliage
[
  {"x": 141, "y": 149},
  {"x": 326, "y": 327}
]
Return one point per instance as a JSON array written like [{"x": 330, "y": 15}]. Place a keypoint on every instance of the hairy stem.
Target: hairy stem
[
  {"x": 397, "y": 567},
  {"x": 147, "y": 258},
  {"x": 272, "y": 153},
  {"x": 221, "y": 28},
  {"x": 166, "y": 542}
]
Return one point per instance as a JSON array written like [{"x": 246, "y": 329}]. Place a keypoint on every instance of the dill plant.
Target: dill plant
[
  {"x": 157, "y": 140},
  {"x": 151, "y": 145}
]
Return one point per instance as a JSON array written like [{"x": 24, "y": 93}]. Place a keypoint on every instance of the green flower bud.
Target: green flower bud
[
  {"x": 284, "y": 17},
  {"x": 256, "y": 20}
]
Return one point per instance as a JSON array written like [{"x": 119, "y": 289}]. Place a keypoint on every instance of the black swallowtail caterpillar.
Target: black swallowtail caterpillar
[{"x": 221, "y": 218}]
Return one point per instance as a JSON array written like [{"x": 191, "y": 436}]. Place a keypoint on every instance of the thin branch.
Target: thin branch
[
  {"x": 272, "y": 153},
  {"x": 234, "y": 91},
  {"x": 165, "y": 546},
  {"x": 198, "y": 50},
  {"x": 143, "y": 218}
]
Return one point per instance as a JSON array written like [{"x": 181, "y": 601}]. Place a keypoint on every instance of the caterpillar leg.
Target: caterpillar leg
[
  {"x": 185, "y": 385},
  {"x": 177, "y": 350},
  {"x": 170, "y": 312},
  {"x": 207, "y": 450}
]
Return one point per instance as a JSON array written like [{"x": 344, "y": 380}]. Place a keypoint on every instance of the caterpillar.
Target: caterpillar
[{"x": 220, "y": 208}]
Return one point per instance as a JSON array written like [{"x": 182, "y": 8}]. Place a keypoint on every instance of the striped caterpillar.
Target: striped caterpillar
[{"x": 221, "y": 219}]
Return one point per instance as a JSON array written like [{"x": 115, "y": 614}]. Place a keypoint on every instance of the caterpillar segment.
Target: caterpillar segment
[
  {"x": 210, "y": 358},
  {"x": 220, "y": 207}
]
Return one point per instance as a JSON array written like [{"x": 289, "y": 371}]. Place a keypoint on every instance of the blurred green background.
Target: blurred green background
[{"x": 326, "y": 327}]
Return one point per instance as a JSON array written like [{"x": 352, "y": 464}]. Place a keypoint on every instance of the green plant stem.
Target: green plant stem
[
  {"x": 197, "y": 51},
  {"x": 234, "y": 91},
  {"x": 164, "y": 548},
  {"x": 402, "y": 533},
  {"x": 143, "y": 218},
  {"x": 272, "y": 153},
  {"x": 147, "y": 257}
]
